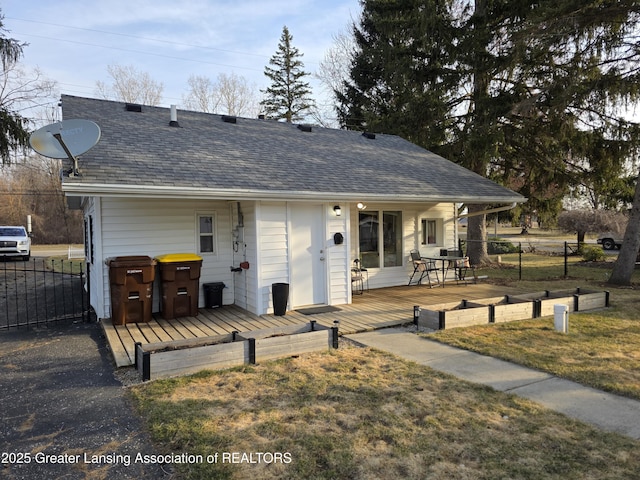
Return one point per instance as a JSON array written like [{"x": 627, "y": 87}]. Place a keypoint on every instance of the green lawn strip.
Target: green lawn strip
[{"x": 358, "y": 413}]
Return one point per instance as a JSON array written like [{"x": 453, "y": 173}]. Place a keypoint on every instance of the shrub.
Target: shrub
[
  {"x": 497, "y": 246},
  {"x": 591, "y": 253}
]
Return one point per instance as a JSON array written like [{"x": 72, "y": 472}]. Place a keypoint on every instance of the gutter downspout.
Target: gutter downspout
[
  {"x": 489, "y": 210},
  {"x": 482, "y": 212}
]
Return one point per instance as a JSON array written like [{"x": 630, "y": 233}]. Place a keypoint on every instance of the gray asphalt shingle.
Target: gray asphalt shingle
[{"x": 263, "y": 156}]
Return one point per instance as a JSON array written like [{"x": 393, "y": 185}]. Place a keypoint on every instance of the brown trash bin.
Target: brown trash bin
[
  {"x": 131, "y": 284},
  {"x": 179, "y": 284}
]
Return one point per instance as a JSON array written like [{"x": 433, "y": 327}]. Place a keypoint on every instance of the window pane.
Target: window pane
[
  {"x": 206, "y": 224},
  {"x": 206, "y": 244},
  {"x": 392, "y": 233},
  {"x": 368, "y": 233},
  {"x": 431, "y": 235}
]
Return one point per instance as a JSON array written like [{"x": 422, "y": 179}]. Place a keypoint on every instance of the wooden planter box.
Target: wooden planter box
[
  {"x": 282, "y": 342},
  {"x": 508, "y": 308},
  {"x": 590, "y": 299},
  {"x": 575, "y": 300},
  {"x": 451, "y": 315},
  {"x": 182, "y": 357}
]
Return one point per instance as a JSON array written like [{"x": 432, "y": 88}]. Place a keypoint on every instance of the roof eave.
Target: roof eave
[{"x": 160, "y": 191}]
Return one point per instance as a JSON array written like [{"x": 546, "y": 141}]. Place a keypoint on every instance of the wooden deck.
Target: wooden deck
[{"x": 374, "y": 309}]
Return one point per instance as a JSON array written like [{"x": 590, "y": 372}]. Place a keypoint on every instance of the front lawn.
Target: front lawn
[{"x": 357, "y": 413}]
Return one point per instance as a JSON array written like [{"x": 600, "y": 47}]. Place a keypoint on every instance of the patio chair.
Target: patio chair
[
  {"x": 357, "y": 279},
  {"x": 423, "y": 268},
  {"x": 461, "y": 266}
]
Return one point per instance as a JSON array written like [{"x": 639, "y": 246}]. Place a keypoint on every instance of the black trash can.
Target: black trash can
[
  {"x": 280, "y": 294},
  {"x": 213, "y": 294}
]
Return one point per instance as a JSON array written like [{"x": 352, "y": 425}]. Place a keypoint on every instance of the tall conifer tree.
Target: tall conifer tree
[
  {"x": 288, "y": 97},
  {"x": 13, "y": 127},
  {"x": 527, "y": 93}
]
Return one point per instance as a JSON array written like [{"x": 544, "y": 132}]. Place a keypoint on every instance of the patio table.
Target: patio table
[{"x": 446, "y": 261}]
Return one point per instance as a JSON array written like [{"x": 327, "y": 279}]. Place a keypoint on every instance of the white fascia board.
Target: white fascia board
[{"x": 156, "y": 191}]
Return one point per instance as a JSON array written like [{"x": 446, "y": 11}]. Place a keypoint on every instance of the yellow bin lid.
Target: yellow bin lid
[{"x": 178, "y": 257}]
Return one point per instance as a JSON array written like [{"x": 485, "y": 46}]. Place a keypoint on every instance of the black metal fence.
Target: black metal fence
[
  {"x": 42, "y": 291},
  {"x": 540, "y": 259}
]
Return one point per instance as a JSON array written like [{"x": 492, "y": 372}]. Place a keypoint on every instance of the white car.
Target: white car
[{"x": 14, "y": 242}]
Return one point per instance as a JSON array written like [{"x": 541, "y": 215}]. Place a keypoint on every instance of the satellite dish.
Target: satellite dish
[{"x": 66, "y": 139}]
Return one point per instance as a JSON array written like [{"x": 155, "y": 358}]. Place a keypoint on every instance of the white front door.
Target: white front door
[{"x": 308, "y": 254}]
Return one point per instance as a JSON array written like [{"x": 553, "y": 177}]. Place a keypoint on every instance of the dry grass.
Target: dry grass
[
  {"x": 600, "y": 350},
  {"x": 360, "y": 414}
]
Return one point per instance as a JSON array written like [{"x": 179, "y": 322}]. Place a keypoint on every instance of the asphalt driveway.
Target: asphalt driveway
[{"x": 64, "y": 414}]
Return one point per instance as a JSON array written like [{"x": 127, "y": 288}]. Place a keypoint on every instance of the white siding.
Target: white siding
[
  {"x": 245, "y": 251},
  {"x": 272, "y": 253},
  {"x": 338, "y": 261},
  {"x": 154, "y": 227},
  {"x": 93, "y": 242}
]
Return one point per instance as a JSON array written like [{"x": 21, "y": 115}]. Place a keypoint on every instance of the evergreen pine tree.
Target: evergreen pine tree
[
  {"x": 13, "y": 127},
  {"x": 288, "y": 97},
  {"x": 527, "y": 93}
]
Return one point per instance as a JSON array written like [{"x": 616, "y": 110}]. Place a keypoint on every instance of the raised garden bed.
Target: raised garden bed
[
  {"x": 578, "y": 299},
  {"x": 451, "y": 315},
  {"x": 509, "y": 308},
  {"x": 282, "y": 342},
  {"x": 182, "y": 357}
]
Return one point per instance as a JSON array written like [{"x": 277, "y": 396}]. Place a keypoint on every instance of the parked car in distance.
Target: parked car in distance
[
  {"x": 610, "y": 241},
  {"x": 15, "y": 242}
]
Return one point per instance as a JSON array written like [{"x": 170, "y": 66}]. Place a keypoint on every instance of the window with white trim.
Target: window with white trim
[
  {"x": 206, "y": 233},
  {"x": 380, "y": 235},
  {"x": 430, "y": 231}
]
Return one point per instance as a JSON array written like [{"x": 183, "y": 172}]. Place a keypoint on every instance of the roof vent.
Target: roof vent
[
  {"x": 174, "y": 117},
  {"x": 133, "y": 107},
  {"x": 370, "y": 136},
  {"x": 261, "y": 116},
  {"x": 304, "y": 128},
  {"x": 229, "y": 119}
]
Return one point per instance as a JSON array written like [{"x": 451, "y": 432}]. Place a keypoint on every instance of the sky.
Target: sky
[{"x": 73, "y": 41}]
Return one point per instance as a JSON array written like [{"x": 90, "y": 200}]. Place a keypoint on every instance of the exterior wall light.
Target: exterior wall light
[
  {"x": 361, "y": 206},
  {"x": 338, "y": 210}
]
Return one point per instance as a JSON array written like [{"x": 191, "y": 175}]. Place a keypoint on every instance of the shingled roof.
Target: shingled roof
[{"x": 139, "y": 153}]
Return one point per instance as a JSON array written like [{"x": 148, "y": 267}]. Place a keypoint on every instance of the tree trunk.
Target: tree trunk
[
  {"x": 626, "y": 262},
  {"x": 581, "y": 234},
  {"x": 476, "y": 236}
]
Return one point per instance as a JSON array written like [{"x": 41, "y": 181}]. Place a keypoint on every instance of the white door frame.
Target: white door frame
[{"x": 308, "y": 254}]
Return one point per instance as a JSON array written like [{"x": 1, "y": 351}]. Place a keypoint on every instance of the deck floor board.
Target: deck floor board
[{"x": 379, "y": 308}]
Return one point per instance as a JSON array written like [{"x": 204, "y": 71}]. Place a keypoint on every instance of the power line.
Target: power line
[
  {"x": 168, "y": 42},
  {"x": 120, "y": 49}
]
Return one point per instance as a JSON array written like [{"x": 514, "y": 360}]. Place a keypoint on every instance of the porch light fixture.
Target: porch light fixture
[
  {"x": 361, "y": 206},
  {"x": 338, "y": 210}
]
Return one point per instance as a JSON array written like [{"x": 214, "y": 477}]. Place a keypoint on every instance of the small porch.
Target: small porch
[{"x": 374, "y": 309}]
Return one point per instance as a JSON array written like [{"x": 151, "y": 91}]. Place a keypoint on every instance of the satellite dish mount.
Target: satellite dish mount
[
  {"x": 73, "y": 159},
  {"x": 66, "y": 139}
]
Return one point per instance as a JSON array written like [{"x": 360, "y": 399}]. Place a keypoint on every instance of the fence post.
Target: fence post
[
  {"x": 566, "y": 263},
  {"x": 519, "y": 260}
]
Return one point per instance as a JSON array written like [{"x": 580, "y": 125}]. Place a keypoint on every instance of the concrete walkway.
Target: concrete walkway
[{"x": 603, "y": 410}]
